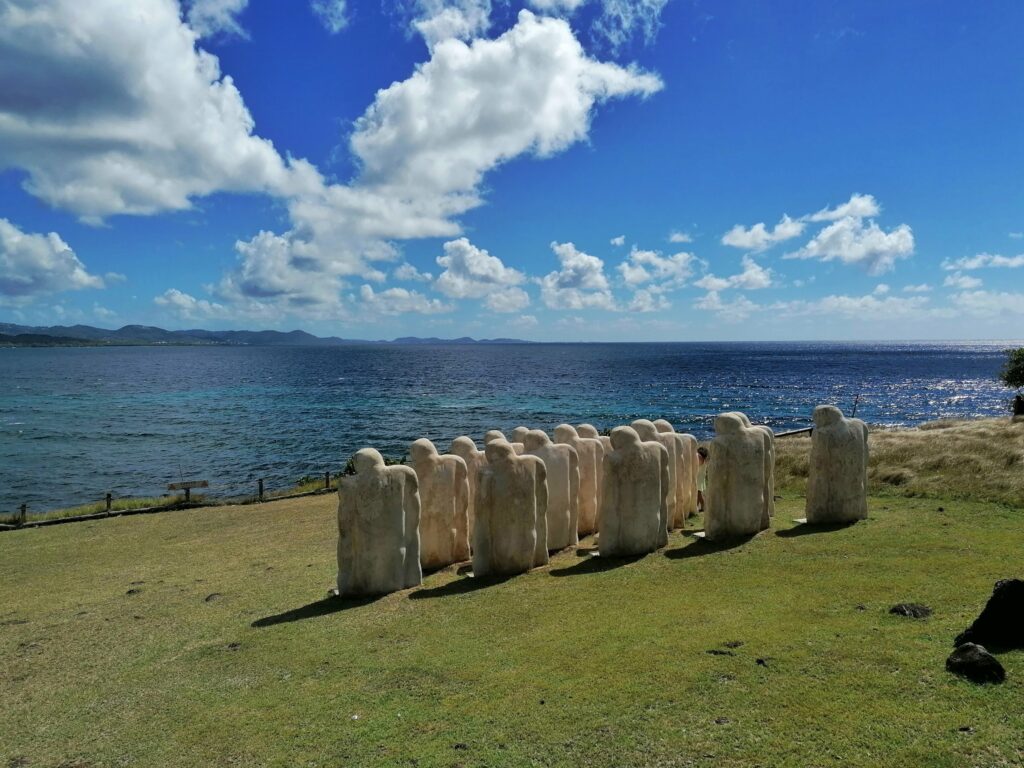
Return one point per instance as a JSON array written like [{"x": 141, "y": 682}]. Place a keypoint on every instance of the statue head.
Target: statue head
[
  {"x": 535, "y": 438},
  {"x": 498, "y": 451},
  {"x": 826, "y": 415},
  {"x": 587, "y": 430},
  {"x": 624, "y": 437},
  {"x": 422, "y": 449},
  {"x": 494, "y": 434},
  {"x": 646, "y": 429},
  {"x": 565, "y": 433},
  {"x": 463, "y": 446},
  {"x": 519, "y": 433},
  {"x": 728, "y": 424},
  {"x": 663, "y": 425},
  {"x": 742, "y": 417},
  {"x": 367, "y": 459}
]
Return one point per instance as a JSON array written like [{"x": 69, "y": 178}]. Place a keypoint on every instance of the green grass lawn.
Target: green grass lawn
[{"x": 199, "y": 638}]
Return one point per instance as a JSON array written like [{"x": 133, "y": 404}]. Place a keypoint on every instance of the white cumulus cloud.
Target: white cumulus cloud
[
  {"x": 32, "y": 265},
  {"x": 858, "y": 206},
  {"x": 472, "y": 273},
  {"x": 579, "y": 284},
  {"x": 851, "y": 241},
  {"x": 400, "y": 301},
  {"x": 962, "y": 282},
  {"x": 666, "y": 272},
  {"x": 189, "y": 307},
  {"x": 759, "y": 237},
  {"x": 115, "y": 112},
  {"x": 752, "y": 278}
]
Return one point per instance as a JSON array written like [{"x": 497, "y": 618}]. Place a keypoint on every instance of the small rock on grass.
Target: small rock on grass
[
  {"x": 976, "y": 664},
  {"x": 911, "y": 610}
]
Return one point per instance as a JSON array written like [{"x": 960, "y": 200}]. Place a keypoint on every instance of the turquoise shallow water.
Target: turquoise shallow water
[{"x": 76, "y": 423}]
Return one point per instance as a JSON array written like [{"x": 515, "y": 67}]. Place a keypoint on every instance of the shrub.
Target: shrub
[{"x": 1012, "y": 373}]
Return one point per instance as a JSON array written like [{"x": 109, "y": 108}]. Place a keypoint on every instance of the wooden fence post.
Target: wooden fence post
[
  {"x": 110, "y": 501},
  {"x": 21, "y": 517},
  {"x": 327, "y": 480},
  {"x": 261, "y": 489}
]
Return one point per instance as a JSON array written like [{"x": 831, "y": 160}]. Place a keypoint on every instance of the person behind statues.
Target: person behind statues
[{"x": 702, "y": 476}]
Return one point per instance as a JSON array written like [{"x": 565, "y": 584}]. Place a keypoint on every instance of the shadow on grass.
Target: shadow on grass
[
  {"x": 323, "y": 607},
  {"x": 459, "y": 587},
  {"x": 701, "y": 547},
  {"x": 592, "y": 564},
  {"x": 806, "y": 529}
]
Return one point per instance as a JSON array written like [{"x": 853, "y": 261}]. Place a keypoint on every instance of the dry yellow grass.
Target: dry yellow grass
[{"x": 981, "y": 460}]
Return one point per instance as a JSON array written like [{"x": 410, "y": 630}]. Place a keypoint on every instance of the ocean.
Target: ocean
[{"x": 76, "y": 423}]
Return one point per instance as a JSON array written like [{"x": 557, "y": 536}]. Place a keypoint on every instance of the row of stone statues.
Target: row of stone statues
[{"x": 510, "y": 505}]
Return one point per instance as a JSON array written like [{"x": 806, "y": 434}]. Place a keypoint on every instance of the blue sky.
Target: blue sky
[{"x": 554, "y": 170}]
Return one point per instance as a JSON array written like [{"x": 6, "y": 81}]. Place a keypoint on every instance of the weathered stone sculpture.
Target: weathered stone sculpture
[
  {"x": 735, "y": 495},
  {"x": 591, "y": 461},
  {"x": 837, "y": 483},
  {"x": 634, "y": 502},
  {"x": 444, "y": 503},
  {"x": 465, "y": 448},
  {"x": 768, "y": 511},
  {"x": 378, "y": 528},
  {"x": 649, "y": 433},
  {"x": 562, "y": 467},
  {"x": 497, "y": 434},
  {"x": 510, "y": 535},
  {"x": 589, "y": 430},
  {"x": 686, "y": 472},
  {"x": 519, "y": 435}
]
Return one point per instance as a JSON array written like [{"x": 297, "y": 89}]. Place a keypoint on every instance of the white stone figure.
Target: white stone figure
[
  {"x": 497, "y": 434},
  {"x": 510, "y": 535},
  {"x": 465, "y": 448},
  {"x": 649, "y": 433},
  {"x": 378, "y": 528},
  {"x": 686, "y": 472},
  {"x": 838, "y": 479},
  {"x": 519, "y": 435},
  {"x": 589, "y": 430},
  {"x": 636, "y": 486},
  {"x": 769, "y": 469},
  {"x": 591, "y": 458},
  {"x": 562, "y": 467},
  {"x": 735, "y": 495},
  {"x": 444, "y": 505}
]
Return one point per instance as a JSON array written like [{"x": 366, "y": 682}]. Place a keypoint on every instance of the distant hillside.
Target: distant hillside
[{"x": 145, "y": 335}]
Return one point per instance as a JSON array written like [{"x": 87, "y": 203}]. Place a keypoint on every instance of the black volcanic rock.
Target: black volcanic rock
[{"x": 976, "y": 664}]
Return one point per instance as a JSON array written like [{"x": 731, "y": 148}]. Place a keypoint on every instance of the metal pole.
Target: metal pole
[
  {"x": 21, "y": 519},
  {"x": 261, "y": 489},
  {"x": 327, "y": 480},
  {"x": 110, "y": 501}
]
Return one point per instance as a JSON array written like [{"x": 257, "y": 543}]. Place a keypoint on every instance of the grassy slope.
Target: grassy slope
[{"x": 570, "y": 665}]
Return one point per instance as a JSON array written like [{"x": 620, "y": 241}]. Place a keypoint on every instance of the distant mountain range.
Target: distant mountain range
[{"x": 145, "y": 335}]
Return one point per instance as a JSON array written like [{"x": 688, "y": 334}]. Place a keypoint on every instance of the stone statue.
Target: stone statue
[
  {"x": 510, "y": 535},
  {"x": 519, "y": 435},
  {"x": 838, "y": 479},
  {"x": 562, "y": 466},
  {"x": 686, "y": 472},
  {"x": 497, "y": 434},
  {"x": 649, "y": 433},
  {"x": 465, "y": 448},
  {"x": 769, "y": 469},
  {"x": 444, "y": 505},
  {"x": 735, "y": 495},
  {"x": 636, "y": 486},
  {"x": 591, "y": 459},
  {"x": 589, "y": 430},
  {"x": 378, "y": 528}
]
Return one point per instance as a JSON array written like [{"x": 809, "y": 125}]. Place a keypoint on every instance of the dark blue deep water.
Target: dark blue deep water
[{"x": 75, "y": 423}]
